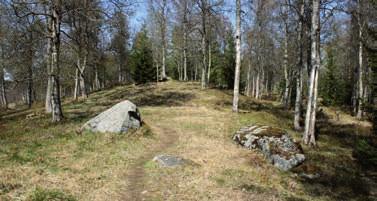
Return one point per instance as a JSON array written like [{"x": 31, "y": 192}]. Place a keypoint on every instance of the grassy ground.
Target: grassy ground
[{"x": 41, "y": 161}]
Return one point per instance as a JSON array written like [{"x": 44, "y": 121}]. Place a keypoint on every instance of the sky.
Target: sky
[{"x": 141, "y": 11}]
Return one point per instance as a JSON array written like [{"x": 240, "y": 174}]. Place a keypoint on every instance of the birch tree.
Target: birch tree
[
  {"x": 285, "y": 15},
  {"x": 238, "y": 56},
  {"x": 310, "y": 119},
  {"x": 299, "y": 74},
  {"x": 360, "y": 82},
  {"x": 3, "y": 93},
  {"x": 183, "y": 13},
  {"x": 55, "y": 13},
  {"x": 159, "y": 10},
  {"x": 204, "y": 10},
  {"x": 119, "y": 45}
]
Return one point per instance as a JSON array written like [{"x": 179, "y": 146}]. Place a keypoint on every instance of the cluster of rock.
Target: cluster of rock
[
  {"x": 118, "y": 119},
  {"x": 278, "y": 147}
]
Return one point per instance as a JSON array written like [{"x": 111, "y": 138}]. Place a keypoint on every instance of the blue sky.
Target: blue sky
[{"x": 140, "y": 13}]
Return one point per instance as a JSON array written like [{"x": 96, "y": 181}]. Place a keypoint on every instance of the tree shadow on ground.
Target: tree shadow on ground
[
  {"x": 249, "y": 105},
  {"x": 343, "y": 174},
  {"x": 14, "y": 114},
  {"x": 83, "y": 110},
  {"x": 169, "y": 99}
]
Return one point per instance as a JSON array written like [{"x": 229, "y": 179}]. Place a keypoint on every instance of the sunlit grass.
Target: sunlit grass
[{"x": 42, "y": 159}]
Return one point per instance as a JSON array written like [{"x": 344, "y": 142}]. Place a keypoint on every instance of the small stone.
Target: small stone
[
  {"x": 144, "y": 192},
  {"x": 309, "y": 176},
  {"x": 169, "y": 161}
]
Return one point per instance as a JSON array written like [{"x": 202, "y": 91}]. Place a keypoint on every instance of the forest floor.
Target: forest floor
[{"x": 40, "y": 160}]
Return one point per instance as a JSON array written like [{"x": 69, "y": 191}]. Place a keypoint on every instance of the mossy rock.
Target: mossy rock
[{"x": 275, "y": 143}]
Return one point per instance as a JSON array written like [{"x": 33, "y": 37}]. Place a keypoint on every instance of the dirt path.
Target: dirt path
[{"x": 135, "y": 177}]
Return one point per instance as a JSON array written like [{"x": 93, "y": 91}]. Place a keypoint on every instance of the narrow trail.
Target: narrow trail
[{"x": 136, "y": 174}]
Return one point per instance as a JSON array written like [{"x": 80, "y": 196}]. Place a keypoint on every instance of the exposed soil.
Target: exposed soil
[{"x": 135, "y": 177}]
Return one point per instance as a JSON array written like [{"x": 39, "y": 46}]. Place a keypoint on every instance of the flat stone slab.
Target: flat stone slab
[{"x": 169, "y": 160}]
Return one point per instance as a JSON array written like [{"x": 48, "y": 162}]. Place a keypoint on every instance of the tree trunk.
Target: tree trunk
[
  {"x": 77, "y": 89},
  {"x": 253, "y": 89},
  {"x": 157, "y": 72},
  {"x": 257, "y": 87},
  {"x": 196, "y": 72},
  {"x": 29, "y": 93},
  {"x": 309, "y": 134},
  {"x": 204, "y": 44},
  {"x": 48, "y": 101},
  {"x": 204, "y": 65},
  {"x": 179, "y": 71},
  {"x": 185, "y": 78},
  {"x": 163, "y": 40},
  {"x": 261, "y": 80},
  {"x": 83, "y": 90},
  {"x": 299, "y": 83},
  {"x": 360, "y": 95},
  {"x": 97, "y": 83},
  {"x": 3, "y": 92},
  {"x": 209, "y": 62},
  {"x": 84, "y": 93},
  {"x": 57, "y": 113},
  {"x": 286, "y": 75},
  {"x": 103, "y": 78},
  {"x": 238, "y": 57},
  {"x": 120, "y": 73},
  {"x": 248, "y": 82}
]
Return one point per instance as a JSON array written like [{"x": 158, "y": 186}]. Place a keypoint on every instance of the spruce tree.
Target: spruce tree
[
  {"x": 229, "y": 60},
  {"x": 332, "y": 89},
  {"x": 142, "y": 58}
]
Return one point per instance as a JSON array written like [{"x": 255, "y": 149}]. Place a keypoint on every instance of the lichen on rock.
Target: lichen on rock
[{"x": 275, "y": 143}]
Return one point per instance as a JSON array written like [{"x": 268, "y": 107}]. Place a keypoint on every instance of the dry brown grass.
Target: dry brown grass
[{"x": 36, "y": 154}]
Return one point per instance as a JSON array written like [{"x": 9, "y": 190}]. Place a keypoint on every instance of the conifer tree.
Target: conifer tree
[
  {"x": 229, "y": 60},
  {"x": 141, "y": 58}
]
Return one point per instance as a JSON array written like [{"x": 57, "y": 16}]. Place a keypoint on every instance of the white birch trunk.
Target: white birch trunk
[
  {"x": 204, "y": 44},
  {"x": 204, "y": 65},
  {"x": 285, "y": 66},
  {"x": 209, "y": 62},
  {"x": 97, "y": 84},
  {"x": 83, "y": 90},
  {"x": 360, "y": 95},
  {"x": 238, "y": 57},
  {"x": 309, "y": 134},
  {"x": 185, "y": 78},
  {"x": 257, "y": 87},
  {"x": 76, "y": 90},
  {"x": 163, "y": 40},
  {"x": 48, "y": 106}
]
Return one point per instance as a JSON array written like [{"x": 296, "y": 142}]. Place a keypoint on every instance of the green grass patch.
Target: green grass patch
[{"x": 40, "y": 194}]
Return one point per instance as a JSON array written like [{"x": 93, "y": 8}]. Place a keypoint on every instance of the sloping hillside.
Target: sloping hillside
[{"x": 41, "y": 160}]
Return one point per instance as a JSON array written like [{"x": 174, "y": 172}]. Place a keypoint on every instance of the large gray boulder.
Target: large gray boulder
[
  {"x": 118, "y": 119},
  {"x": 278, "y": 147}
]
